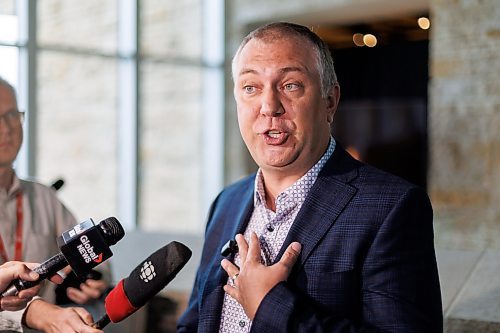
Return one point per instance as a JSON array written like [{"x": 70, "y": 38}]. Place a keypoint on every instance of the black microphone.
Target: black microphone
[
  {"x": 57, "y": 184},
  {"x": 231, "y": 247},
  {"x": 82, "y": 247},
  {"x": 145, "y": 281}
]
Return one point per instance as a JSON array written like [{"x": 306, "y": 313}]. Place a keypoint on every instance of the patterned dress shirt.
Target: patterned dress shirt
[{"x": 271, "y": 228}]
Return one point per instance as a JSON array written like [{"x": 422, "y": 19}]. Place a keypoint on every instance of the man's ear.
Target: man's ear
[{"x": 332, "y": 102}]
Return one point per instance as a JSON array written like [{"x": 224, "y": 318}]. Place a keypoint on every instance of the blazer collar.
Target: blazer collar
[
  {"x": 327, "y": 198},
  {"x": 236, "y": 219}
]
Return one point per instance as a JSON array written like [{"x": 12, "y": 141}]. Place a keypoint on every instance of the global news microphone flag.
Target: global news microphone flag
[{"x": 82, "y": 247}]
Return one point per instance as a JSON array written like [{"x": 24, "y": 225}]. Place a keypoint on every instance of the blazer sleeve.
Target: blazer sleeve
[
  {"x": 399, "y": 282},
  {"x": 189, "y": 320}
]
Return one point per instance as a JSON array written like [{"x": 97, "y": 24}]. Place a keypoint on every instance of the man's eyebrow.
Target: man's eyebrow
[
  {"x": 247, "y": 71},
  {"x": 293, "y": 69},
  {"x": 281, "y": 70}
]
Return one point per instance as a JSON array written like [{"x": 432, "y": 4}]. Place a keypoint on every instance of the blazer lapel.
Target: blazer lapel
[
  {"x": 235, "y": 221},
  {"x": 326, "y": 200}
]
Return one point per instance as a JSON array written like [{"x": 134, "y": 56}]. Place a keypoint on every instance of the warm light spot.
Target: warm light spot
[
  {"x": 370, "y": 40},
  {"x": 424, "y": 23},
  {"x": 357, "y": 38}
]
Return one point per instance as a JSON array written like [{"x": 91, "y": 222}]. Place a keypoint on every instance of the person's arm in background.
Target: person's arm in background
[
  {"x": 41, "y": 315},
  {"x": 51, "y": 318},
  {"x": 87, "y": 291}
]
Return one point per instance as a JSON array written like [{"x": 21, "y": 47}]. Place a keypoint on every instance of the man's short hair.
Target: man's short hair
[{"x": 277, "y": 30}]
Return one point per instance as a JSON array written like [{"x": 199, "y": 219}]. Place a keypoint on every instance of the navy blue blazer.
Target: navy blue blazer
[{"x": 367, "y": 262}]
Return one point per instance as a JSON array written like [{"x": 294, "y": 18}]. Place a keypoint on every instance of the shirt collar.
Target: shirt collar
[
  {"x": 16, "y": 185},
  {"x": 308, "y": 178}
]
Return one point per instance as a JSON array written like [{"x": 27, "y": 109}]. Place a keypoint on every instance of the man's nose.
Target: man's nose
[{"x": 271, "y": 104}]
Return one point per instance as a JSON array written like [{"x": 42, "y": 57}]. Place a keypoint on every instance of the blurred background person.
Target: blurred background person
[{"x": 31, "y": 216}]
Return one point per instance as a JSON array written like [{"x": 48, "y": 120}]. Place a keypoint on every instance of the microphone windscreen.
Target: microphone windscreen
[
  {"x": 154, "y": 273},
  {"x": 118, "y": 305},
  {"x": 112, "y": 230}
]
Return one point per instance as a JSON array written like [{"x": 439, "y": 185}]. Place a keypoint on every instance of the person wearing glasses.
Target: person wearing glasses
[
  {"x": 31, "y": 219},
  {"x": 325, "y": 243}
]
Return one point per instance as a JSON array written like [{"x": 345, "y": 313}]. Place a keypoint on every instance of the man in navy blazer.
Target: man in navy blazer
[{"x": 325, "y": 243}]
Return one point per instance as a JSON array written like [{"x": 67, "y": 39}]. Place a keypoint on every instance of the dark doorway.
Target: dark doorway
[{"x": 382, "y": 117}]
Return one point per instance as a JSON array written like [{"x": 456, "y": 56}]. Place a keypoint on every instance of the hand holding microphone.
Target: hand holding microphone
[
  {"x": 50, "y": 318},
  {"x": 145, "y": 281},
  {"x": 19, "y": 270},
  {"x": 83, "y": 247}
]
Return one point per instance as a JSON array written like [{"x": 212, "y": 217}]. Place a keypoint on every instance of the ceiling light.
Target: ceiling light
[
  {"x": 370, "y": 40},
  {"x": 357, "y": 38},
  {"x": 424, "y": 23}
]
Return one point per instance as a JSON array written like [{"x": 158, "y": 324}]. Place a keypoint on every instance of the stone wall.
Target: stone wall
[
  {"x": 77, "y": 103},
  {"x": 171, "y": 116},
  {"x": 465, "y": 123},
  {"x": 78, "y": 109},
  {"x": 7, "y": 7}
]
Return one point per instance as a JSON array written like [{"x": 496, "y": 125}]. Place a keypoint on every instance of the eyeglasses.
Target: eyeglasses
[{"x": 13, "y": 117}]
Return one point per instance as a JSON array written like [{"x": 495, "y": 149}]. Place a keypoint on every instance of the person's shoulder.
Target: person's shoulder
[
  {"x": 343, "y": 166},
  {"x": 35, "y": 185},
  {"x": 34, "y": 188},
  {"x": 236, "y": 191},
  {"x": 373, "y": 180},
  {"x": 243, "y": 184},
  {"x": 371, "y": 174}
]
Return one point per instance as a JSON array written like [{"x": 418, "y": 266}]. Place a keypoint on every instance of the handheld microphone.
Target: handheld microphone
[
  {"x": 231, "y": 247},
  {"x": 57, "y": 184},
  {"x": 83, "y": 247},
  {"x": 145, "y": 281}
]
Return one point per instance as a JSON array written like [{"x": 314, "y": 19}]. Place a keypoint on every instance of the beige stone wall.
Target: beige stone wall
[
  {"x": 7, "y": 7},
  {"x": 77, "y": 131},
  {"x": 77, "y": 104},
  {"x": 171, "y": 119},
  {"x": 78, "y": 113},
  {"x": 171, "y": 153},
  {"x": 171, "y": 29},
  {"x": 465, "y": 122},
  {"x": 90, "y": 25}
]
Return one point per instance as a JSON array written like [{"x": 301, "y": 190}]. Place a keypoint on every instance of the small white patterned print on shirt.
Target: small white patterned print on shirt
[{"x": 272, "y": 229}]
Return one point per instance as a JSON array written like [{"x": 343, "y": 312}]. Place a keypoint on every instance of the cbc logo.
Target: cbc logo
[{"x": 147, "y": 271}]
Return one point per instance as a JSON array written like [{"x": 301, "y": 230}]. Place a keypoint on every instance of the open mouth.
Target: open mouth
[
  {"x": 275, "y": 137},
  {"x": 274, "y": 134}
]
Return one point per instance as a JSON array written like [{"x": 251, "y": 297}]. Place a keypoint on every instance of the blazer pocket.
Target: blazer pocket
[{"x": 336, "y": 290}]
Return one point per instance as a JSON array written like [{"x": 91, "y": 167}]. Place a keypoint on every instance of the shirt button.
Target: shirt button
[
  {"x": 269, "y": 227},
  {"x": 242, "y": 323}
]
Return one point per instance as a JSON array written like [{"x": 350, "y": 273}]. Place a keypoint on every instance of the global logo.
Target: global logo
[
  {"x": 147, "y": 271},
  {"x": 87, "y": 251}
]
